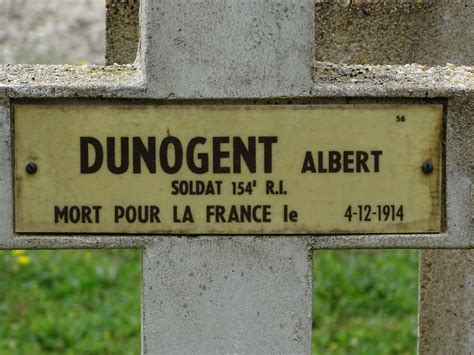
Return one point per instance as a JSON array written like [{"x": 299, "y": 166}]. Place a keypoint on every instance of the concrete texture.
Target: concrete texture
[
  {"x": 6, "y": 184},
  {"x": 446, "y": 313},
  {"x": 357, "y": 32},
  {"x": 446, "y": 306},
  {"x": 412, "y": 82},
  {"x": 460, "y": 167},
  {"x": 395, "y": 32},
  {"x": 52, "y": 31},
  {"x": 227, "y": 48},
  {"x": 234, "y": 295},
  {"x": 446, "y": 289},
  {"x": 331, "y": 81},
  {"x": 43, "y": 81},
  {"x": 122, "y": 31}
]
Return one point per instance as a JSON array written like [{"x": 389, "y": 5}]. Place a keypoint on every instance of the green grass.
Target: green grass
[
  {"x": 365, "y": 302},
  {"x": 88, "y": 302},
  {"x": 70, "y": 302}
]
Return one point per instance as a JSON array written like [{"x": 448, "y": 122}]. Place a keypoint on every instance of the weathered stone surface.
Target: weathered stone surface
[
  {"x": 446, "y": 310},
  {"x": 364, "y": 32},
  {"x": 6, "y": 184},
  {"x": 122, "y": 31},
  {"x": 395, "y": 32},
  {"x": 26, "y": 80},
  {"x": 412, "y": 82},
  {"x": 52, "y": 31},
  {"x": 227, "y": 48},
  {"x": 239, "y": 295}
]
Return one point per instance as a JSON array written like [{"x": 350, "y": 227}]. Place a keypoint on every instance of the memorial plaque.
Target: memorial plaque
[{"x": 242, "y": 169}]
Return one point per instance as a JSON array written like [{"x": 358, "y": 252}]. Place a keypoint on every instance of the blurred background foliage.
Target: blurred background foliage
[
  {"x": 88, "y": 302},
  {"x": 365, "y": 302},
  {"x": 70, "y": 302}
]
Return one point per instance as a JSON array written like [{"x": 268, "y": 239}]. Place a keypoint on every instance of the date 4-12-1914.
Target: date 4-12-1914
[{"x": 368, "y": 213}]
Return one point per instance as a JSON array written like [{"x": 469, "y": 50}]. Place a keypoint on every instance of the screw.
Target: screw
[
  {"x": 31, "y": 168},
  {"x": 427, "y": 167}
]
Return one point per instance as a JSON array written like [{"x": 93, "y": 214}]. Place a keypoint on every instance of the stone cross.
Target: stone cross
[{"x": 252, "y": 294}]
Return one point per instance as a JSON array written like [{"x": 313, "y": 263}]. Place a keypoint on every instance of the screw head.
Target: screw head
[
  {"x": 427, "y": 167},
  {"x": 31, "y": 168}
]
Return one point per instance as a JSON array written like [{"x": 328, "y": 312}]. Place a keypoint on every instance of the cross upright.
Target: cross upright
[{"x": 223, "y": 72}]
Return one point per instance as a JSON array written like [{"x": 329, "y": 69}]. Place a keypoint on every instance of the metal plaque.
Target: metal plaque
[{"x": 250, "y": 169}]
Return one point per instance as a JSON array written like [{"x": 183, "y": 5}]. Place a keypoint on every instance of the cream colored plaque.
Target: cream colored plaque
[{"x": 254, "y": 169}]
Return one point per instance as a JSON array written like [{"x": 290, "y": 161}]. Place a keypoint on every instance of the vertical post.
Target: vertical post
[
  {"x": 227, "y": 294},
  {"x": 227, "y": 48},
  {"x": 6, "y": 193},
  {"x": 446, "y": 311},
  {"x": 215, "y": 295}
]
